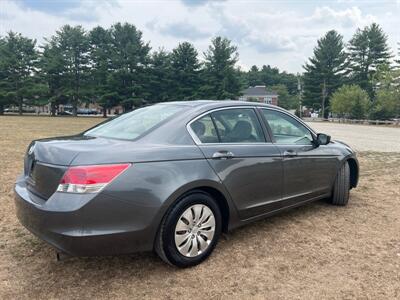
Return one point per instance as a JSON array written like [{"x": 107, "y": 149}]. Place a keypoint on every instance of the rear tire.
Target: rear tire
[
  {"x": 190, "y": 230},
  {"x": 341, "y": 188}
]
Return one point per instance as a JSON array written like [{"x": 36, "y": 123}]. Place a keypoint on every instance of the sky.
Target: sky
[{"x": 277, "y": 33}]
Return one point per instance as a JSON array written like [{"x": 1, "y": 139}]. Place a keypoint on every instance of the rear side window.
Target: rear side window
[
  {"x": 204, "y": 129},
  {"x": 133, "y": 124},
  {"x": 238, "y": 125}
]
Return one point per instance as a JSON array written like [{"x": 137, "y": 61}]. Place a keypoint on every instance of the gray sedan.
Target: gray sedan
[{"x": 171, "y": 177}]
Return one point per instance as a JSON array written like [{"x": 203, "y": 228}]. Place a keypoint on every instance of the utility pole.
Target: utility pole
[
  {"x": 299, "y": 90},
  {"x": 324, "y": 94}
]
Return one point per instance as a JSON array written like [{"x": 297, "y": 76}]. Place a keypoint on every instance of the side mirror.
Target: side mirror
[{"x": 323, "y": 139}]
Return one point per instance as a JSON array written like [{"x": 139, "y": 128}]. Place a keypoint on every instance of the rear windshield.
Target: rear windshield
[{"x": 132, "y": 125}]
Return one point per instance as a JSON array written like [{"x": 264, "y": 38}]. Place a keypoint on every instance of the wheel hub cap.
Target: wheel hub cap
[{"x": 194, "y": 230}]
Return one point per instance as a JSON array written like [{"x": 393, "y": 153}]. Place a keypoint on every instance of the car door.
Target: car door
[
  {"x": 308, "y": 170},
  {"x": 236, "y": 146}
]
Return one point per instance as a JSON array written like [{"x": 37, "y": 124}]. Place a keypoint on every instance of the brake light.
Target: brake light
[{"x": 89, "y": 179}]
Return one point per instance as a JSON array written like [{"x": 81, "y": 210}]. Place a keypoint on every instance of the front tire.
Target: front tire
[
  {"x": 190, "y": 230},
  {"x": 341, "y": 188}
]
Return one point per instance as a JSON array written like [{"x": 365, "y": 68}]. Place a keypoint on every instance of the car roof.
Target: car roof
[{"x": 217, "y": 103}]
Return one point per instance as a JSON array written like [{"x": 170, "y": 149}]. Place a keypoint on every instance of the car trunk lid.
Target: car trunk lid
[{"x": 47, "y": 160}]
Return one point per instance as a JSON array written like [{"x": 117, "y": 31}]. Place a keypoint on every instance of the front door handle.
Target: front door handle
[
  {"x": 290, "y": 153},
  {"x": 223, "y": 155}
]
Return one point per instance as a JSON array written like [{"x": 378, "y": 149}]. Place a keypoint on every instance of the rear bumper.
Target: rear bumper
[{"x": 84, "y": 226}]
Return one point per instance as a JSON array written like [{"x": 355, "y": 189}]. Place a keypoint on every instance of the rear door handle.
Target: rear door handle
[
  {"x": 290, "y": 153},
  {"x": 223, "y": 155}
]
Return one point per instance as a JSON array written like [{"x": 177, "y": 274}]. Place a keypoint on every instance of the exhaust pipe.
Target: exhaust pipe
[{"x": 61, "y": 256}]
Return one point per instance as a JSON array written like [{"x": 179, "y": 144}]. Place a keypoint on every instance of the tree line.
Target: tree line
[
  {"x": 354, "y": 80},
  {"x": 111, "y": 67},
  {"x": 116, "y": 66}
]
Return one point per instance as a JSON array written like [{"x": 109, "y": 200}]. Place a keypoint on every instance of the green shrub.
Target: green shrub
[{"x": 350, "y": 101}]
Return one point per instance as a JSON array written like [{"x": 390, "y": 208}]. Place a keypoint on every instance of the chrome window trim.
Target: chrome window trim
[
  {"x": 197, "y": 140},
  {"x": 254, "y": 107}
]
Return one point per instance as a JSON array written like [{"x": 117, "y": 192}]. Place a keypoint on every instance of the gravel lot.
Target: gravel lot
[
  {"x": 362, "y": 137},
  {"x": 314, "y": 252}
]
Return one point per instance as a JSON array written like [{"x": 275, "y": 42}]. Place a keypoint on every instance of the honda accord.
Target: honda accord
[{"x": 171, "y": 177}]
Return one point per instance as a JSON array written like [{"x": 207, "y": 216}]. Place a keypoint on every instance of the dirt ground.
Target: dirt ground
[{"x": 314, "y": 252}]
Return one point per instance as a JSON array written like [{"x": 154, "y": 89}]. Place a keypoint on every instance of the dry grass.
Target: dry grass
[{"x": 313, "y": 252}]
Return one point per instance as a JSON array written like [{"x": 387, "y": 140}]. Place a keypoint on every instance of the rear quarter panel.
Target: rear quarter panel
[{"x": 149, "y": 189}]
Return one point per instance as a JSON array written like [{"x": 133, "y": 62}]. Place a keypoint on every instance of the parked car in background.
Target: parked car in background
[
  {"x": 87, "y": 111},
  {"x": 173, "y": 176},
  {"x": 15, "y": 109},
  {"x": 64, "y": 113}
]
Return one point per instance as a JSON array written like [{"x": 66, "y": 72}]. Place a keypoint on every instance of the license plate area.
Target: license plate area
[{"x": 43, "y": 179}]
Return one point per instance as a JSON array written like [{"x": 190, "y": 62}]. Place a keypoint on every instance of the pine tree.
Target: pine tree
[
  {"x": 242, "y": 78},
  {"x": 129, "y": 61},
  {"x": 100, "y": 51},
  {"x": 70, "y": 46},
  {"x": 325, "y": 71},
  {"x": 160, "y": 84},
  {"x": 4, "y": 99},
  {"x": 185, "y": 71},
  {"x": 51, "y": 64},
  {"x": 221, "y": 80},
  {"x": 387, "y": 102},
  {"x": 368, "y": 50},
  {"x": 18, "y": 59}
]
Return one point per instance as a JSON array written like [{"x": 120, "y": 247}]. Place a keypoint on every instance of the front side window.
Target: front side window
[
  {"x": 287, "y": 130},
  {"x": 133, "y": 124}
]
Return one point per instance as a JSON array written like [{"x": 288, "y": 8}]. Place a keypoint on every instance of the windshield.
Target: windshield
[{"x": 133, "y": 124}]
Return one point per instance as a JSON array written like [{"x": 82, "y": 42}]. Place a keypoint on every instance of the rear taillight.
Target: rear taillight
[{"x": 89, "y": 179}]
